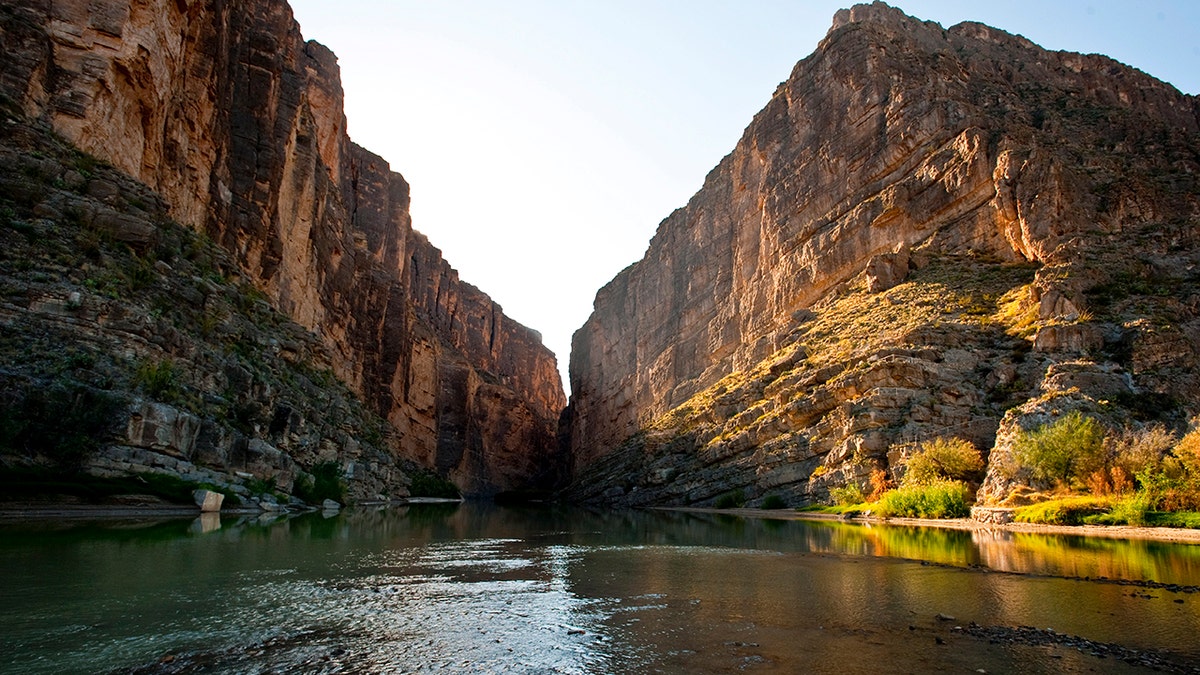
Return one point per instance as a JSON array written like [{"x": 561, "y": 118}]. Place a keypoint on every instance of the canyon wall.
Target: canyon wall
[
  {"x": 775, "y": 338},
  {"x": 227, "y": 112}
]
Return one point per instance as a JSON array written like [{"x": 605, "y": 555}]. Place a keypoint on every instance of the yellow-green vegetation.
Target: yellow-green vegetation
[
  {"x": 935, "y": 482},
  {"x": 849, "y": 494},
  {"x": 944, "y": 458},
  {"x": 939, "y": 498},
  {"x": 775, "y": 407},
  {"x": 1131, "y": 477},
  {"x": 959, "y": 291},
  {"x": 1064, "y": 452},
  {"x": 849, "y": 326},
  {"x": 1066, "y": 511}
]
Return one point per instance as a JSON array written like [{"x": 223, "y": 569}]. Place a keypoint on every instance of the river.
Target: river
[{"x": 477, "y": 588}]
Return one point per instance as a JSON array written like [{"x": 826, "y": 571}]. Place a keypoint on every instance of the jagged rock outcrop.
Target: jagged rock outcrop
[
  {"x": 237, "y": 121},
  {"x": 800, "y": 323}
]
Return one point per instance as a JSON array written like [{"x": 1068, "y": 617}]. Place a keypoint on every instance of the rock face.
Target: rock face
[
  {"x": 237, "y": 121},
  {"x": 918, "y": 228},
  {"x": 151, "y": 355}
]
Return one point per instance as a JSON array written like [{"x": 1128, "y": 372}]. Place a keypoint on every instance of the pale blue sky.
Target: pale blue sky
[{"x": 546, "y": 139}]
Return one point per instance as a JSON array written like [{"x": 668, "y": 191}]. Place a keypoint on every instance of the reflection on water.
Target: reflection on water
[{"x": 481, "y": 589}]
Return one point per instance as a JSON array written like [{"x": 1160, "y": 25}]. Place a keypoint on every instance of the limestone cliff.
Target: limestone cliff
[
  {"x": 227, "y": 112},
  {"x": 926, "y": 232}
]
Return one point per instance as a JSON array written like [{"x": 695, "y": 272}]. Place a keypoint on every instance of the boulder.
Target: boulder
[
  {"x": 1076, "y": 338},
  {"x": 887, "y": 270},
  {"x": 208, "y": 501}
]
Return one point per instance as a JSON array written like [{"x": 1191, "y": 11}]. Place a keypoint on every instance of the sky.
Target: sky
[{"x": 544, "y": 140}]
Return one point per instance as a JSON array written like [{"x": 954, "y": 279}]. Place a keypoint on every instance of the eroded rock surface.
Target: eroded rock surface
[
  {"x": 731, "y": 358},
  {"x": 227, "y": 112}
]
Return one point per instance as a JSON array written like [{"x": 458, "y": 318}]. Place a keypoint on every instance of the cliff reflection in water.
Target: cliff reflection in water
[{"x": 481, "y": 589}]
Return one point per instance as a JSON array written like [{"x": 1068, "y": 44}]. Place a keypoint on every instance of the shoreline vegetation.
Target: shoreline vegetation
[
  {"x": 1165, "y": 534},
  {"x": 17, "y": 511},
  {"x": 1073, "y": 472}
]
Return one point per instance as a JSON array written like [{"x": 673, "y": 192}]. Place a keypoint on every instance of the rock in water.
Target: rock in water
[
  {"x": 208, "y": 501},
  {"x": 330, "y": 505}
]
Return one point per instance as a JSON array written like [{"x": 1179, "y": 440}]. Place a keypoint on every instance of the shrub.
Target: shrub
[
  {"x": 1132, "y": 510},
  {"x": 141, "y": 274},
  {"x": 428, "y": 484},
  {"x": 64, "y": 422},
  {"x": 734, "y": 499},
  {"x": 1069, "y": 511},
  {"x": 1188, "y": 519},
  {"x": 260, "y": 486},
  {"x": 1135, "y": 450},
  {"x": 159, "y": 379},
  {"x": 880, "y": 483},
  {"x": 944, "y": 459},
  {"x": 847, "y": 495},
  {"x": 1174, "y": 483},
  {"x": 937, "y": 499},
  {"x": 1066, "y": 450},
  {"x": 325, "y": 482},
  {"x": 773, "y": 502}
]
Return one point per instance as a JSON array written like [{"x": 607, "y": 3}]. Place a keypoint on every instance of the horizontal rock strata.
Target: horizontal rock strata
[
  {"x": 727, "y": 360},
  {"x": 228, "y": 113}
]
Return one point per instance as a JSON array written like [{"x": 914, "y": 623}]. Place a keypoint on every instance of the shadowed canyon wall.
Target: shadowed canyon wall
[
  {"x": 902, "y": 165},
  {"x": 237, "y": 121}
]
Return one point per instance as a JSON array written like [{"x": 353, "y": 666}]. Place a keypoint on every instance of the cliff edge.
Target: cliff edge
[
  {"x": 926, "y": 232},
  {"x": 236, "y": 121}
]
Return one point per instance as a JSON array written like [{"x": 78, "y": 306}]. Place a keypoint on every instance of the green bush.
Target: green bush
[
  {"x": 325, "y": 482},
  {"x": 428, "y": 484},
  {"x": 1062, "y": 452},
  {"x": 734, "y": 499},
  {"x": 937, "y": 499},
  {"x": 944, "y": 459},
  {"x": 260, "y": 486},
  {"x": 65, "y": 422},
  {"x": 774, "y": 502},
  {"x": 1188, "y": 519},
  {"x": 847, "y": 495},
  {"x": 1135, "y": 450},
  {"x": 1132, "y": 510},
  {"x": 159, "y": 379},
  {"x": 1068, "y": 511},
  {"x": 1173, "y": 483}
]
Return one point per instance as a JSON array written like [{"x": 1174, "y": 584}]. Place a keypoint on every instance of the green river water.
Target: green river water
[{"x": 484, "y": 589}]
